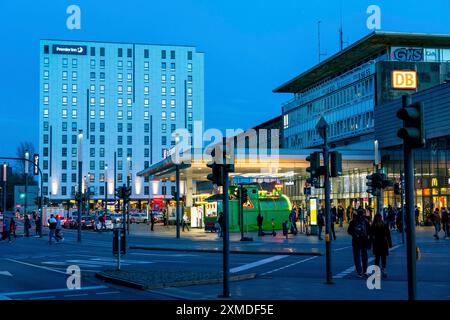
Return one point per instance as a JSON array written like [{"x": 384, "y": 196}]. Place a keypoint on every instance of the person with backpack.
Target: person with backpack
[
  {"x": 58, "y": 229},
  {"x": 259, "y": 222},
  {"x": 51, "y": 228},
  {"x": 320, "y": 222},
  {"x": 380, "y": 239},
  {"x": 359, "y": 230}
]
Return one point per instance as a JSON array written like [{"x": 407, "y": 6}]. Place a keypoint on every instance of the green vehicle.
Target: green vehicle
[{"x": 271, "y": 205}]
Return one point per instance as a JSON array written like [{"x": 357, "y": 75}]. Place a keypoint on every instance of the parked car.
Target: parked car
[
  {"x": 158, "y": 217},
  {"x": 138, "y": 218}
]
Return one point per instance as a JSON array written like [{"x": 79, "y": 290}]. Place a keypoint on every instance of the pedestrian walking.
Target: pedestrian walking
[
  {"x": 340, "y": 215},
  {"x": 380, "y": 239},
  {"x": 320, "y": 223},
  {"x": 444, "y": 221},
  {"x": 333, "y": 222},
  {"x": 259, "y": 222},
  {"x": 221, "y": 222},
  {"x": 436, "y": 223},
  {"x": 6, "y": 229},
  {"x": 417, "y": 213},
  {"x": 51, "y": 228},
  {"x": 152, "y": 220},
  {"x": 301, "y": 219},
  {"x": 12, "y": 227},
  {"x": 391, "y": 217},
  {"x": 185, "y": 221},
  {"x": 38, "y": 226},
  {"x": 293, "y": 219},
  {"x": 359, "y": 230},
  {"x": 58, "y": 229},
  {"x": 27, "y": 225},
  {"x": 349, "y": 213}
]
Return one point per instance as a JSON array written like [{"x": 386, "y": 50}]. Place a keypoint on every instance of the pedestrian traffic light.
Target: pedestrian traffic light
[
  {"x": 412, "y": 131},
  {"x": 396, "y": 188},
  {"x": 216, "y": 177},
  {"x": 313, "y": 169},
  {"x": 22, "y": 195},
  {"x": 336, "y": 164}
]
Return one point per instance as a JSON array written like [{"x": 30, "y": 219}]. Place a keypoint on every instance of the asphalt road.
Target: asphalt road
[{"x": 32, "y": 269}]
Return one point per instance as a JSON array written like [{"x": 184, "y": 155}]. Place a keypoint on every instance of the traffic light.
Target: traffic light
[
  {"x": 118, "y": 193},
  {"x": 127, "y": 194},
  {"x": 216, "y": 177},
  {"x": 244, "y": 195},
  {"x": 22, "y": 195},
  {"x": 336, "y": 164},
  {"x": 370, "y": 187},
  {"x": 385, "y": 182},
  {"x": 412, "y": 132},
  {"x": 313, "y": 169},
  {"x": 396, "y": 188}
]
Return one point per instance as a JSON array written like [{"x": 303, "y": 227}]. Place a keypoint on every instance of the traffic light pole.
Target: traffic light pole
[
  {"x": 402, "y": 199},
  {"x": 177, "y": 198},
  {"x": 80, "y": 203},
  {"x": 408, "y": 158},
  {"x": 379, "y": 195},
  {"x": 329, "y": 276},
  {"x": 226, "y": 239}
]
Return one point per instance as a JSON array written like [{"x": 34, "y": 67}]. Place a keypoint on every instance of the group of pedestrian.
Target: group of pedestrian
[
  {"x": 55, "y": 227},
  {"x": 441, "y": 219},
  {"x": 10, "y": 226},
  {"x": 367, "y": 235}
]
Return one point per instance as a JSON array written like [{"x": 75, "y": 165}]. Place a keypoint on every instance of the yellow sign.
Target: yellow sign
[
  {"x": 313, "y": 211},
  {"x": 434, "y": 182},
  {"x": 404, "y": 79}
]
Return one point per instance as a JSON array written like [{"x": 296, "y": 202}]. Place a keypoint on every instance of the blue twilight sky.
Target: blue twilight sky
[{"x": 251, "y": 47}]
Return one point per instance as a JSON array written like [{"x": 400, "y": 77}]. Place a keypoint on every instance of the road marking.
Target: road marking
[
  {"x": 258, "y": 263},
  {"x": 5, "y": 273},
  {"x": 19, "y": 293},
  {"x": 351, "y": 269},
  {"x": 289, "y": 265},
  {"x": 4, "y": 298},
  {"x": 107, "y": 292},
  {"x": 43, "y": 298},
  {"x": 75, "y": 295},
  {"x": 164, "y": 255},
  {"x": 36, "y": 266},
  {"x": 342, "y": 248}
]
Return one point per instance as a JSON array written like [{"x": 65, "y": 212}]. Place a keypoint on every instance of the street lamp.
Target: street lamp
[
  {"x": 106, "y": 189},
  {"x": 128, "y": 185},
  {"x": 80, "y": 170},
  {"x": 27, "y": 156}
]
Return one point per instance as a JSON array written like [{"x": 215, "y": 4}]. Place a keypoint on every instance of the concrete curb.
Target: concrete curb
[
  {"x": 298, "y": 253},
  {"x": 141, "y": 286}
]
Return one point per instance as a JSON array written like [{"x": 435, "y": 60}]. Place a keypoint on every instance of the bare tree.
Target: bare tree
[{"x": 20, "y": 153}]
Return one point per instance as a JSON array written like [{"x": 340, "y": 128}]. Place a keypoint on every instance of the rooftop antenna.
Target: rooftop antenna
[
  {"x": 341, "y": 32},
  {"x": 318, "y": 34}
]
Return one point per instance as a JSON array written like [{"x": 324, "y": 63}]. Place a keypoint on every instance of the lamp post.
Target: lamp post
[
  {"x": 80, "y": 170},
  {"x": 88, "y": 193},
  {"x": 27, "y": 156},
  {"x": 4, "y": 186},
  {"x": 106, "y": 189},
  {"x": 128, "y": 185}
]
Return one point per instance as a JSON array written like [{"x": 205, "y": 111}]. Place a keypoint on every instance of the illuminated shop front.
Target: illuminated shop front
[{"x": 431, "y": 178}]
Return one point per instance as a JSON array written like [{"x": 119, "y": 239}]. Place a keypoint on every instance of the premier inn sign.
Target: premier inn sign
[{"x": 69, "y": 49}]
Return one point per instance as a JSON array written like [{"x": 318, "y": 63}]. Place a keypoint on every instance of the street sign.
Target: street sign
[{"x": 321, "y": 126}]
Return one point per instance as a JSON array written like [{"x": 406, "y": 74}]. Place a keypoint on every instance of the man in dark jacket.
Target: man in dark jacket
[
  {"x": 359, "y": 230},
  {"x": 444, "y": 221},
  {"x": 320, "y": 222},
  {"x": 340, "y": 215},
  {"x": 259, "y": 221}
]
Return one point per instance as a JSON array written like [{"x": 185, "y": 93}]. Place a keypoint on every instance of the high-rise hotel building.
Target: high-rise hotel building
[{"x": 127, "y": 99}]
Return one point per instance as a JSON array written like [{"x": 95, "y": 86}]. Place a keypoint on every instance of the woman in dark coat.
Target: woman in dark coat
[{"x": 380, "y": 239}]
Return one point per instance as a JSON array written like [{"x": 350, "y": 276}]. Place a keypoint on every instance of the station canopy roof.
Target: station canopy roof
[
  {"x": 363, "y": 49},
  {"x": 288, "y": 163}
]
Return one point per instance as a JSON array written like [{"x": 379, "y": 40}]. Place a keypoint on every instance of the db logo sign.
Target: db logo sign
[{"x": 404, "y": 79}]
